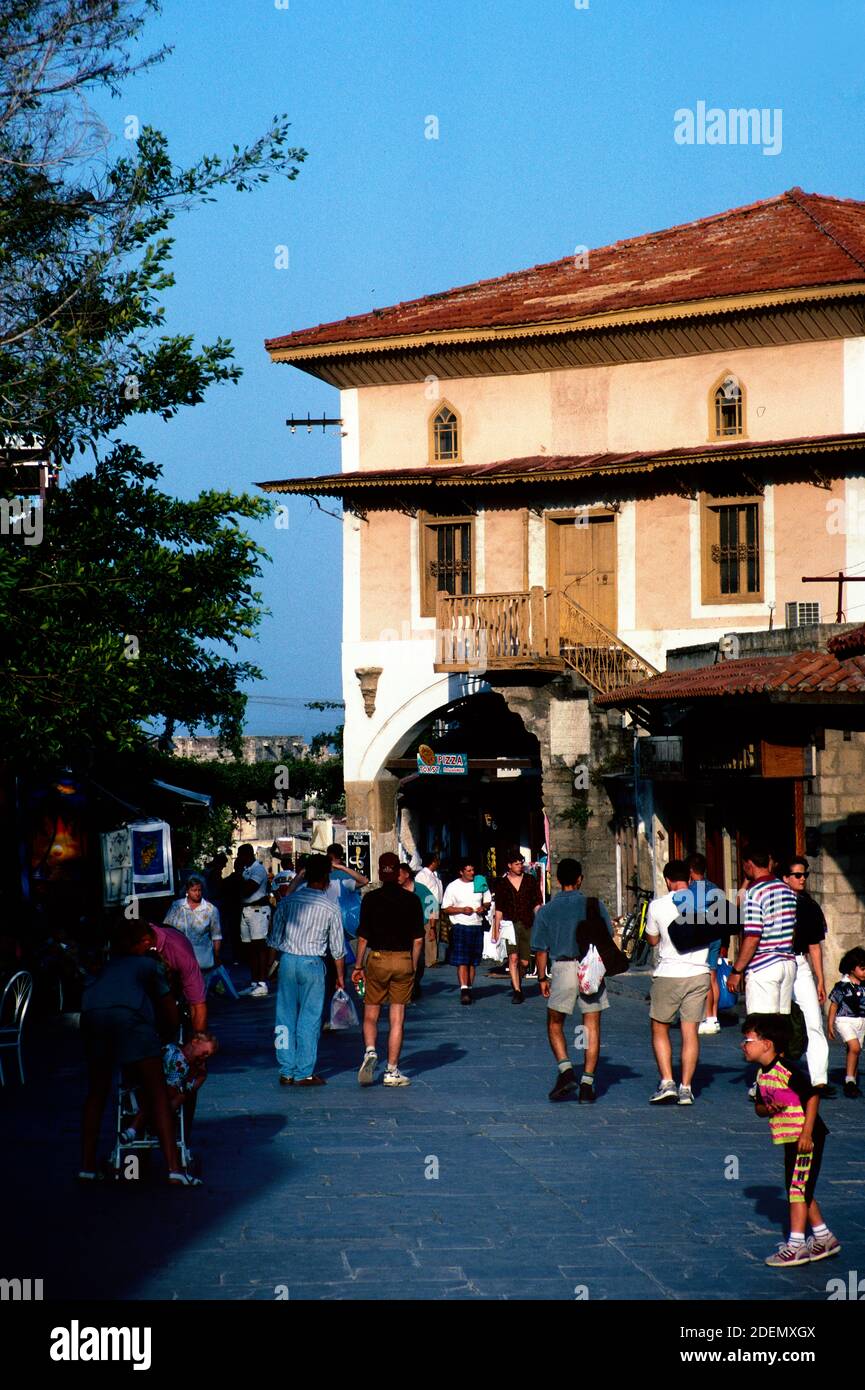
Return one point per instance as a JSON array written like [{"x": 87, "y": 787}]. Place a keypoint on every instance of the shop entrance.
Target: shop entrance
[
  {"x": 727, "y": 817},
  {"x": 496, "y": 805}
]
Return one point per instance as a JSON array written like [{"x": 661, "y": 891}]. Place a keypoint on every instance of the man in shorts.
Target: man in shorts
[
  {"x": 254, "y": 918},
  {"x": 389, "y": 943},
  {"x": 679, "y": 986},
  {"x": 554, "y": 938},
  {"x": 517, "y": 897}
]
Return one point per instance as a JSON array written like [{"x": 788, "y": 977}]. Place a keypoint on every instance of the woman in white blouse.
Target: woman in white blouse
[{"x": 198, "y": 920}]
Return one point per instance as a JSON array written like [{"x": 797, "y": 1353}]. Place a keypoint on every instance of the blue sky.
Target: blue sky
[{"x": 555, "y": 130}]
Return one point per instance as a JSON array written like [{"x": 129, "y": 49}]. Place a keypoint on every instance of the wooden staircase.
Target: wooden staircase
[{"x": 603, "y": 660}]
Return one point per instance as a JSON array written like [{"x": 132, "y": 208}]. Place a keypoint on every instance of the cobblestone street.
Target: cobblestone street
[{"x": 469, "y": 1184}]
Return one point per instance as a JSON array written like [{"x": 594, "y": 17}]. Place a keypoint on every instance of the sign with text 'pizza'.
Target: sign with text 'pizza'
[{"x": 432, "y": 764}]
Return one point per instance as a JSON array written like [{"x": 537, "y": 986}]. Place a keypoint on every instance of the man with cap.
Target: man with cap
[{"x": 389, "y": 943}]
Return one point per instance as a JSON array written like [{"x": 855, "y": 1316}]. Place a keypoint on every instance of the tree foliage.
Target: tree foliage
[
  {"x": 83, "y": 266},
  {"x": 83, "y": 255},
  {"x": 111, "y": 621}
]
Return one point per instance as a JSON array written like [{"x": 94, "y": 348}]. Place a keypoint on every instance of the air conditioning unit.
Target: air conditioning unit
[{"x": 802, "y": 614}]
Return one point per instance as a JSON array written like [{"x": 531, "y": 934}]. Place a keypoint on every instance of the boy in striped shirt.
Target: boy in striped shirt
[{"x": 791, "y": 1104}]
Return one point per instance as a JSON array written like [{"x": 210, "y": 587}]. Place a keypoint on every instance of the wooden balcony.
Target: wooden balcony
[
  {"x": 537, "y": 630},
  {"x": 497, "y": 632}
]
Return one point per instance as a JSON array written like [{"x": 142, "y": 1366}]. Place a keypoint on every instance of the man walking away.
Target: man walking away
[
  {"x": 517, "y": 897},
  {"x": 809, "y": 985},
  {"x": 679, "y": 986},
  {"x": 557, "y": 936},
  {"x": 706, "y": 900},
  {"x": 254, "y": 891},
  {"x": 389, "y": 943},
  {"x": 766, "y": 945},
  {"x": 305, "y": 925}
]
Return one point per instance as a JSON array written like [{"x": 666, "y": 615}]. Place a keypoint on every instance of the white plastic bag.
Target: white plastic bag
[
  {"x": 343, "y": 1014},
  {"x": 591, "y": 971},
  {"x": 494, "y": 950}
]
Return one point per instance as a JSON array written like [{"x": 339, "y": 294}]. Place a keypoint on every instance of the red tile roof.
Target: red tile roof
[
  {"x": 564, "y": 467},
  {"x": 798, "y": 673},
  {"x": 850, "y": 643},
  {"x": 788, "y": 242}
]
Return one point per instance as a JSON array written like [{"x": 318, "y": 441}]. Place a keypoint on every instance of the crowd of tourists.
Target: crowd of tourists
[{"x": 314, "y": 928}]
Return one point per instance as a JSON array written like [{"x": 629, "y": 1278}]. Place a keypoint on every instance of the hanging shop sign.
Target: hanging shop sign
[
  {"x": 438, "y": 764},
  {"x": 358, "y": 851},
  {"x": 136, "y": 862}
]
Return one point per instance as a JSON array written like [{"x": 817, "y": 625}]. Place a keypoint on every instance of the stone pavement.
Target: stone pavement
[{"x": 469, "y": 1184}]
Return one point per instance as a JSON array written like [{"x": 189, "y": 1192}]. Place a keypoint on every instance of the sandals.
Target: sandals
[{"x": 183, "y": 1180}]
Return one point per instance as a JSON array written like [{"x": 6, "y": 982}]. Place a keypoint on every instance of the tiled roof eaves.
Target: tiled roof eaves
[
  {"x": 599, "y": 465},
  {"x": 850, "y": 643},
  {"x": 305, "y": 343},
  {"x": 795, "y": 676}
]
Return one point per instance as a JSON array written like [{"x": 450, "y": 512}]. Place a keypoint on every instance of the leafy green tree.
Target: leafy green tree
[
  {"x": 83, "y": 255},
  {"x": 114, "y": 621},
  {"x": 114, "y": 617}
]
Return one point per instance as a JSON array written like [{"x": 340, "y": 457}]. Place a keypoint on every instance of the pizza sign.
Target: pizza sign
[{"x": 441, "y": 764}]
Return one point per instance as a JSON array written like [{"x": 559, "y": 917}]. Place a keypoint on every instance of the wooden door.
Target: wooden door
[{"x": 581, "y": 563}]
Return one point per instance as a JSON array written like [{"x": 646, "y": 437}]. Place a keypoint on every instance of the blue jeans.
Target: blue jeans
[{"x": 299, "y": 1000}]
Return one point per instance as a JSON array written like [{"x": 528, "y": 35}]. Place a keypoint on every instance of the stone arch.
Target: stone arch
[{"x": 406, "y": 722}]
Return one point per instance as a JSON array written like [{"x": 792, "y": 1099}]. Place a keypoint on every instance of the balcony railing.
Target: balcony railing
[
  {"x": 490, "y": 632},
  {"x": 540, "y": 629}
]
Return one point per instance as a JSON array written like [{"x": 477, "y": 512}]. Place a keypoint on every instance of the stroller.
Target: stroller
[{"x": 127, "y": 1108}]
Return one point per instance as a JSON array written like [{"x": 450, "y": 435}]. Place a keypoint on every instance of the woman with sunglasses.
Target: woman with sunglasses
[{"x": 809, "y": 987}]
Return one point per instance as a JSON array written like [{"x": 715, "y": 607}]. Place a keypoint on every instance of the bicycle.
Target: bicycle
[{"x": 634, "y": 943}]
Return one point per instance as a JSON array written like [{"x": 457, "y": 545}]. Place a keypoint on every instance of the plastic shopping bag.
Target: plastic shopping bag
[
  {"x": 343, "y": 1014},
  {"x": 726, "y": 998},
  {"x": 591, "y": 971},
  {"x": 494, "y": 950}
]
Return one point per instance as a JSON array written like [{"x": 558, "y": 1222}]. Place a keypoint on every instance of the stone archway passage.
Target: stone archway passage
[{"x": 498, "y": 804}]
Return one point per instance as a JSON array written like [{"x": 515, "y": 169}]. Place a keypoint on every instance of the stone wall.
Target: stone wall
[
  {"x": 835, "y": 805},
  {"x": 576, "y": 740}
]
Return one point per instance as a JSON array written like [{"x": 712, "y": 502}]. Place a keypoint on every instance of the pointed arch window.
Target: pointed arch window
[
  {"x": 445, "y": 435},
  {"x": 727, "y": 408}
]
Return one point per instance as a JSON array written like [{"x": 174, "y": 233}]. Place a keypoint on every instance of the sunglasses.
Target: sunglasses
[
  {"x": 746, "y": 1041},
  {"x": 798, "y": 875}
]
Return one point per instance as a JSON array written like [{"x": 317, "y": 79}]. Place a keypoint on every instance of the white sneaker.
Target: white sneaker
[
  {"x": 260, "y": 990},
  {"x": 686, "y": 1095},
  {"x": 666, "y": 1094},
  {"x": 531, "y": 974},
  {"x": 366, "y": 1075},
  {"x": 396, "y": 1078},
  {"x": 709, "y": 1025}
]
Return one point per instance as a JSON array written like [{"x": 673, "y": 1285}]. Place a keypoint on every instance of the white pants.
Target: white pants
[
  {"x": 770, "y": 990},
  {"x": 805, "y": 994}
]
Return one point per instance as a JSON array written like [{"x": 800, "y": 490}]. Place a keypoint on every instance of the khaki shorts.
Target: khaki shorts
[
  {"x": 565, "y": 991},
  {"x": 684, "y": 995},
  {"x": 255, "y": 922},
  {"x": 523, "y": 944},
  {"x": 389, "y": 977}
]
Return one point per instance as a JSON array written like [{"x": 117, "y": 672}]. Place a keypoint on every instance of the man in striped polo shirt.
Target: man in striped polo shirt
[
  {"x": 305, "y": 925},
  {"x": 768, "y": 918}
]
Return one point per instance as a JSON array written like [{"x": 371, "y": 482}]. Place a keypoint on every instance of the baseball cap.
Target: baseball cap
[{"x": 388, "y": 866}]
